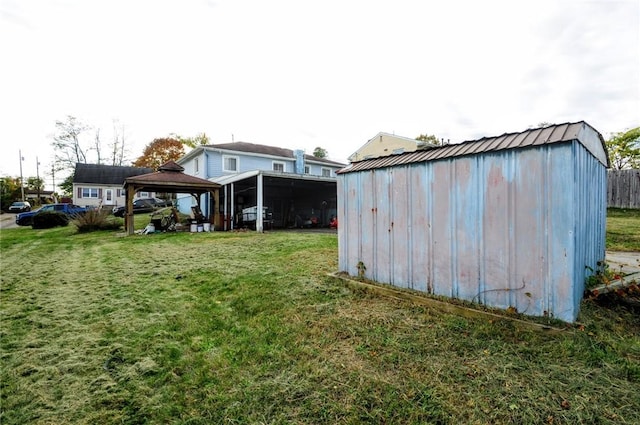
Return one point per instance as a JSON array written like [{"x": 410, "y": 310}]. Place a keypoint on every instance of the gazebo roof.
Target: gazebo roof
[{"x": 170, "y": 177}]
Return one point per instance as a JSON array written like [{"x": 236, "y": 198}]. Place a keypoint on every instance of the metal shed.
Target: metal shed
[{"x": 514, "y": 221}]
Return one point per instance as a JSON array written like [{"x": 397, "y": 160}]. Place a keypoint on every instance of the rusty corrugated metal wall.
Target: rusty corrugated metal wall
[{"x": 513, "y": 228}]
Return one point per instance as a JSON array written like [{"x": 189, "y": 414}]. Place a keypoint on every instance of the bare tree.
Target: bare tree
[
  {"x": 117, "y": 147},
  {"x": 67, "y": 145},
  {"x": 97, "y": 146}
]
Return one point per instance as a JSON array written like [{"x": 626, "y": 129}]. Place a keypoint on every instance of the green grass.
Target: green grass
[
  {"x": 235, "y": 328},
  {"x": 623, "y": 229}
]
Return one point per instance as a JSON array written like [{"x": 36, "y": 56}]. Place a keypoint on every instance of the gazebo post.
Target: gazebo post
[{"x": 128, "y": 216}]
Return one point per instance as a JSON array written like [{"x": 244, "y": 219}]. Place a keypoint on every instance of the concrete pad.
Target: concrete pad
[{"x": 629, "y": 261}]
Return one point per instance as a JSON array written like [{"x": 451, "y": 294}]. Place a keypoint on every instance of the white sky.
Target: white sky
[{"x": 301, "y": 74}]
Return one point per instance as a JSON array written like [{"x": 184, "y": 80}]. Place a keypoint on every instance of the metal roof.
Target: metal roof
[{"x": 535, "y": 137}]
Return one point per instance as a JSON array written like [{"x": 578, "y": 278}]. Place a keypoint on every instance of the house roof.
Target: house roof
[
  {"x": 269, "y": 150},
  {"x": 409, "y": 144},
  {"x": 558, "y": 133},
  {"x": 170, "y": 177},
  {"x": 106, "y": 174}
]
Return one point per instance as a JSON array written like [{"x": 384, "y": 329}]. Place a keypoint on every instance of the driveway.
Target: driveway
[{"x": 8, "y": 221}]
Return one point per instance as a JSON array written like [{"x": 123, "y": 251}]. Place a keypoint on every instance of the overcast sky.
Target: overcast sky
[{"x": 300, "y": 74}]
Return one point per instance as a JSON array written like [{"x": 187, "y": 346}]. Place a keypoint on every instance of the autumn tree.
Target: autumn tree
[
  {"x": 9, "y": 190},
  {"x": 320, "y": 152},
  {"x": 159, "y": 152},
  {"x": 200, "y": 139},
  {"x": 428, "y": 139},
  {"x": 35, "y": 183},
  {"x": 624, "y": 149}
]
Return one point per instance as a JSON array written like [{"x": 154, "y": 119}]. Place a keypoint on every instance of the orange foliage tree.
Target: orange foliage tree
[{"x": 159, "y": 152}]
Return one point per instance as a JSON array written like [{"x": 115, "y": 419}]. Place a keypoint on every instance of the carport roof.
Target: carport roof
[
  {"x": 233, "y": 178},
  {"x": 170, "y": 177}
]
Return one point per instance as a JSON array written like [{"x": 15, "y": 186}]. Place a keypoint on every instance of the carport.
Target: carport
[
  {"x": 169, "y": 178},
  {"x": 290, "y": 199}
]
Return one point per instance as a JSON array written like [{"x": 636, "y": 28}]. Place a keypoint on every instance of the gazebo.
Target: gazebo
[{"x": 169, "y": 178}]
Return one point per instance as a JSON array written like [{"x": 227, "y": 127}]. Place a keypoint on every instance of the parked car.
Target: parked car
[
  {"x": 26, "y": 218},
  {"x": 20, "y": 206},
  {"x": 143, "y": 205}
]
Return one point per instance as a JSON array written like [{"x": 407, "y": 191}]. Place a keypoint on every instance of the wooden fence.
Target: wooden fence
[{"x": 623, "y": 189}]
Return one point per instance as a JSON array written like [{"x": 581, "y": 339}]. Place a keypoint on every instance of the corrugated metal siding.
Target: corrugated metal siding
[
  {"x": 500, "y": 228},
  {"x": 591, "y": 201}
]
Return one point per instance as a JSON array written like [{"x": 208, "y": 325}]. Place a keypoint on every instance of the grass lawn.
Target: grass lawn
[
  {"x": 235, "y": 328},
  {"x": 623, "y": 229}
]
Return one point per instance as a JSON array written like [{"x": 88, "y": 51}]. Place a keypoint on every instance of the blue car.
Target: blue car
[{"x": 26, "y": 218}]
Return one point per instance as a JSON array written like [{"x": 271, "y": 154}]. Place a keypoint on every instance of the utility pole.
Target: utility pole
[
  {"x": 53, "y": 177},
  {"x": 38, "y": 178},
  {"x": 21, "y": 180}
]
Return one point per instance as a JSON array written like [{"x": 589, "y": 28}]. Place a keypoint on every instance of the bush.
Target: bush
[
  {"x": 49, "y": 219},
  {"x": 97, "y": 219}
]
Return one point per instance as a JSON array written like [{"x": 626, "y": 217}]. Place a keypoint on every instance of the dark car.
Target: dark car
[
  {"x": 26, "y": 218},
  {"x": 19, "y": 207},
  {"x": 143, "y": 205}
]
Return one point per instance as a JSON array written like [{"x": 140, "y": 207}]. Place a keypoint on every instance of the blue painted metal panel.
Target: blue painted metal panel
[
  {"x": 382, "y": 221},
  {"x": 400, "y": 228},
  {"x": 507, "y": 228},
  {"x": 419, "y": 229}
]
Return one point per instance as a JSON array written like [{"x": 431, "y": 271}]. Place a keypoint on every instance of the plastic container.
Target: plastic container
[
  {"x": 200, "y": 228},
  {"x": 207, "y": 227}
]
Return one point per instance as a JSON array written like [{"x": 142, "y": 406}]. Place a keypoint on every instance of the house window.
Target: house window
[
  {"x": 306, "y": 169},
  {"x": 278, "y": 166},
  {"x": 89, "y": 192},
  {"x": 120, "y": 193},
  {"x": 326, "y": 172},
  {"x": 230, "y": 163},
  {"x": 197, "y": 166}
]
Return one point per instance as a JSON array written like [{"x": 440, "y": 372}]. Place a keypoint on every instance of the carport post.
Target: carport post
[
  {"x": 259, "y": 218},
  {"x": 233, "y": 208}
]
